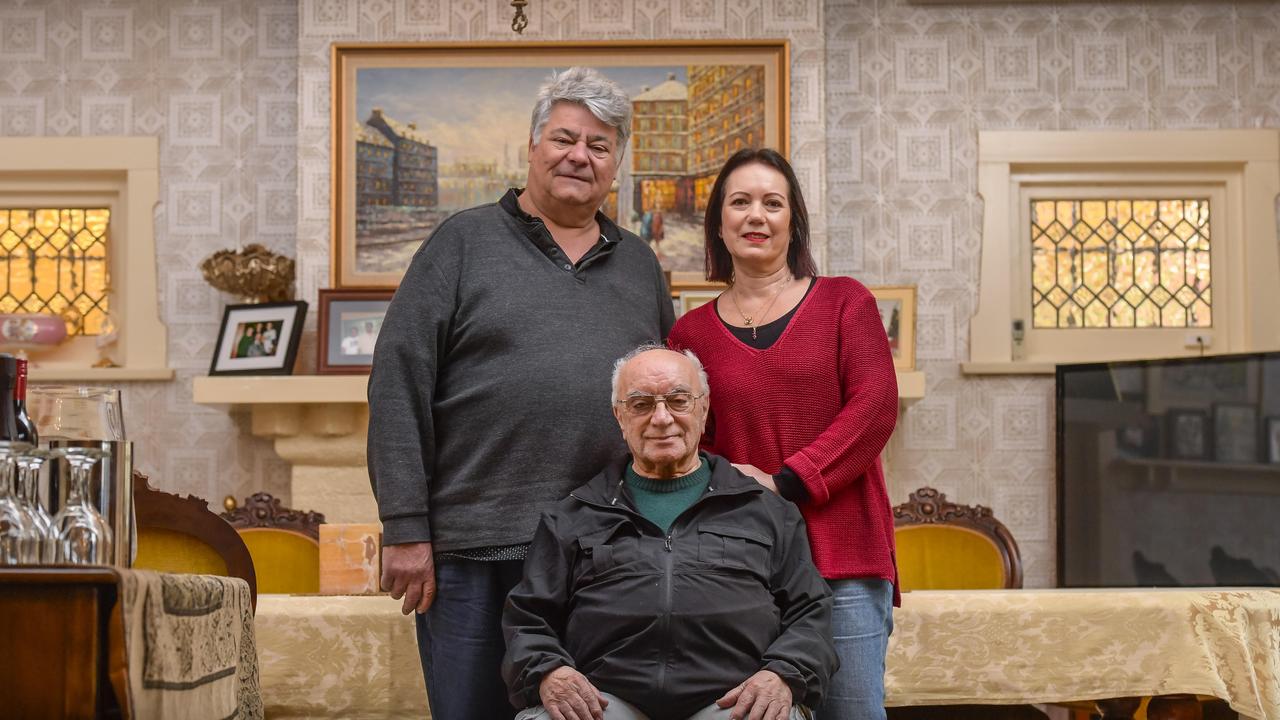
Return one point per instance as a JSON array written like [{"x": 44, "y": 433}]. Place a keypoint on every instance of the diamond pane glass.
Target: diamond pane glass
[
  {"x": 1120, "y": 263},
  {"x": 54, "y": 260},
  {"x": 1122, "y": 315},
  {"x": 1095, "y": 315}
]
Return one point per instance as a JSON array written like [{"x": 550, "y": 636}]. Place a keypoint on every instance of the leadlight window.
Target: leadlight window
[
  {"x": 54, "y": 260},
  {"x": 1120, "y": 263}
]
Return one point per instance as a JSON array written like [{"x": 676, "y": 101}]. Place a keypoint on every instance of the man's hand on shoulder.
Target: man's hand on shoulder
[
  {"x": 409, "y": 571},
  {"x": 568, "y": 695},
  {"x": 763, "y": 696}
]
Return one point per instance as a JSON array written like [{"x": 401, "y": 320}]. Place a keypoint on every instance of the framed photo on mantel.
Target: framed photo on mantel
[
  {"x": 421, "y": 131},
  {"x": 1235, "y": 433},
  {"x": 259, "y": 339},
  {"x": 1188, "y": 434},
  {"x": 350, "y": 321}
]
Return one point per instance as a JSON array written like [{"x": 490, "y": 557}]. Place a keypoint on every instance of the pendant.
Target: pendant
[{"x": 753, "y": 333}]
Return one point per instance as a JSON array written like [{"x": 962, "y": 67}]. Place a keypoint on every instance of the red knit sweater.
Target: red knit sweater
[{"x": 823, "y": 400}]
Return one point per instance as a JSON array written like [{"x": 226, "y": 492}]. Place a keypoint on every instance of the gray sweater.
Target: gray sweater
[{"x": 489, "y": 395}]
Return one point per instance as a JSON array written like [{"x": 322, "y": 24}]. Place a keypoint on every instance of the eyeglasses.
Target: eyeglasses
[{"x": 678, "y": 403}]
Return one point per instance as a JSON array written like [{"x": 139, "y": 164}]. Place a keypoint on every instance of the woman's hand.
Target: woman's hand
[{"x": 758, "y": 475}]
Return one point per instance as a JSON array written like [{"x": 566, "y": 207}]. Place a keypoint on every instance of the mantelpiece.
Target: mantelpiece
[
  {"x": 325, "y": 389},
  {"x": 319, "y": 425}
]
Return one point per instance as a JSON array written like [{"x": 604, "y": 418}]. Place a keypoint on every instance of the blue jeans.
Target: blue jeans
[
  {"x": 460, "y": 639},
  {"x": 861, "y": 622}
]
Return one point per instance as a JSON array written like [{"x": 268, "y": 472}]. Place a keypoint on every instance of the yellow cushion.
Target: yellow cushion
[
  {"x": 947, "y": 557},
  {"x": 284, "y": 561},
  {"x": 170, "y": 551}
]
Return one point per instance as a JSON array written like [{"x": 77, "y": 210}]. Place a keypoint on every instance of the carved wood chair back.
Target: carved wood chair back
[
  {"x": 181, "y": 534},
  {"x": 942, "y": 545},
  {"x": 284, "y": 542}
]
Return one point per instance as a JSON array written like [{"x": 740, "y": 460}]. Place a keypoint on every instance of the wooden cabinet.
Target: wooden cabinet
[{"x": 61, "y": 643}]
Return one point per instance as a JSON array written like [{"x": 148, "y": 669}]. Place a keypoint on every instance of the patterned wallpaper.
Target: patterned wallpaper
[
  {"x": 887, "y": 99},
  {"x": 907, "y": 90},
  {"x": 217, "y": 83}
]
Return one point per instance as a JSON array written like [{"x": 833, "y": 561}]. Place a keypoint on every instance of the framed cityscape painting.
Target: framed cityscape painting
[{"x": 422, "y": 131}]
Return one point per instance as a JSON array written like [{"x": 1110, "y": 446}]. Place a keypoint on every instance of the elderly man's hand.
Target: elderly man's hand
[
  {"x": 409, "y": 571},
  {"x": 763, "y": 696},
  {"x": 568, "y": 695}
]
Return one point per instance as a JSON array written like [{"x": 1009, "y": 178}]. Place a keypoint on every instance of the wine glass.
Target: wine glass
[
  {"x": 29, "y": 464},
  {"x": 19, "y": 537},
  {"x": 83, "y": 536}
]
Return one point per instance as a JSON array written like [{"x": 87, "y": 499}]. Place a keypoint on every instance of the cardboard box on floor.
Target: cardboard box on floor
[{"x": 350, "y": 558}]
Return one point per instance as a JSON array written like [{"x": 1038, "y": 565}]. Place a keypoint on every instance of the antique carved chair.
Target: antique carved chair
[
  {"x": 177, "y": 534},
  {"x": 945, "y": 546},
  {"x": 284, "y": 543}
]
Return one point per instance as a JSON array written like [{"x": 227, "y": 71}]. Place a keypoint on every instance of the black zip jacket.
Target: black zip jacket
[{"x": 670, "y": 621}]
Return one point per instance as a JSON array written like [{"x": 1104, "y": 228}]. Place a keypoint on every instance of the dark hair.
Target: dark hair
[{"x": 719, "y": 262}]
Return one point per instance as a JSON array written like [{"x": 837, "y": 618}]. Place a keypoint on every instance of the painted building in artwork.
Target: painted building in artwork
[
  {"x": 659, "y": 148},
  {"x": 416, "y": 162},
  {"x": 726, "y": 114},
  {"x": 469, "y": 183},
  {"x": 375, "y": 168}
]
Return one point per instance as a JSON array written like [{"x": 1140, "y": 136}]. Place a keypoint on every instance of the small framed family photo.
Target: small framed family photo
[
  {"x": 1138, "y": 439},
  {"x": 348, "y": 330},
  {"x": 1235, "y": 432},
  {"x": 259, "y": 339},
  {"x": 1272, "y": 439},
  {"x": 897, "y": 306},
  {"x": 1188, "y": 434}
]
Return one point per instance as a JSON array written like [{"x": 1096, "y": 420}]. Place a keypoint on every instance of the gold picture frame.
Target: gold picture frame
[
  {"x": 897, "y": 304},
  {"x": 682, "y": 282},
  {"x": 693, "y": 299},
  {"x": 405, "y": 155}
]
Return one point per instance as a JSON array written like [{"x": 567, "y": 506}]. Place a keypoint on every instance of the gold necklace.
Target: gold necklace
[{"x": 747, "y": 319}]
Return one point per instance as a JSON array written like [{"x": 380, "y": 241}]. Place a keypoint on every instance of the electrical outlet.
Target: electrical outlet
[{"x": 1198, "y": 339}]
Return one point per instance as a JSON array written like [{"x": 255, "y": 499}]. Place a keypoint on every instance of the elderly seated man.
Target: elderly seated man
[{"x": 670, "y": 585}]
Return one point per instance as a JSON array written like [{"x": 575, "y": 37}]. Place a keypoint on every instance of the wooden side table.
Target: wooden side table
[{"x": 63, "y": 653}]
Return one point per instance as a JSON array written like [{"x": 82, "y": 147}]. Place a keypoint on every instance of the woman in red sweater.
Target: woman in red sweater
[{"x": 803, "y": 398}]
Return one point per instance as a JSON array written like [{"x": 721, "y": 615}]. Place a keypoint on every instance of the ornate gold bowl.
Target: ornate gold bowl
[{"x": 255, "y": 274}]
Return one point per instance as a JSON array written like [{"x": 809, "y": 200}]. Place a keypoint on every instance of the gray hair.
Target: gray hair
[
  {"x": 642, "y": 349},
  {"x": 586, "y": 87}
]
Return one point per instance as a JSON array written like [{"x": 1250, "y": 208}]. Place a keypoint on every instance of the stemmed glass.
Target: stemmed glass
[
  {"x": 19, "y": 538},
  {"x": 29, "y": 464},
  {"x": 83, "y": 536}
]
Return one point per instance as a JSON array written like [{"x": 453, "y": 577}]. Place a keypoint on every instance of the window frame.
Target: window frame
[
  {"x": 1244, "y": 166},
  {"x": 121, "y": 173}
]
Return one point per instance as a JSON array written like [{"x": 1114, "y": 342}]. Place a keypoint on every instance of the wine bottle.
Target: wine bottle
[
  {"x": 8, "y": 383},
  {"x": 26, "y": 428}
]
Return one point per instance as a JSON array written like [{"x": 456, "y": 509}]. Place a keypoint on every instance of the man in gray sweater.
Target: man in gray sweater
[{"x": 485, "y": 397}]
